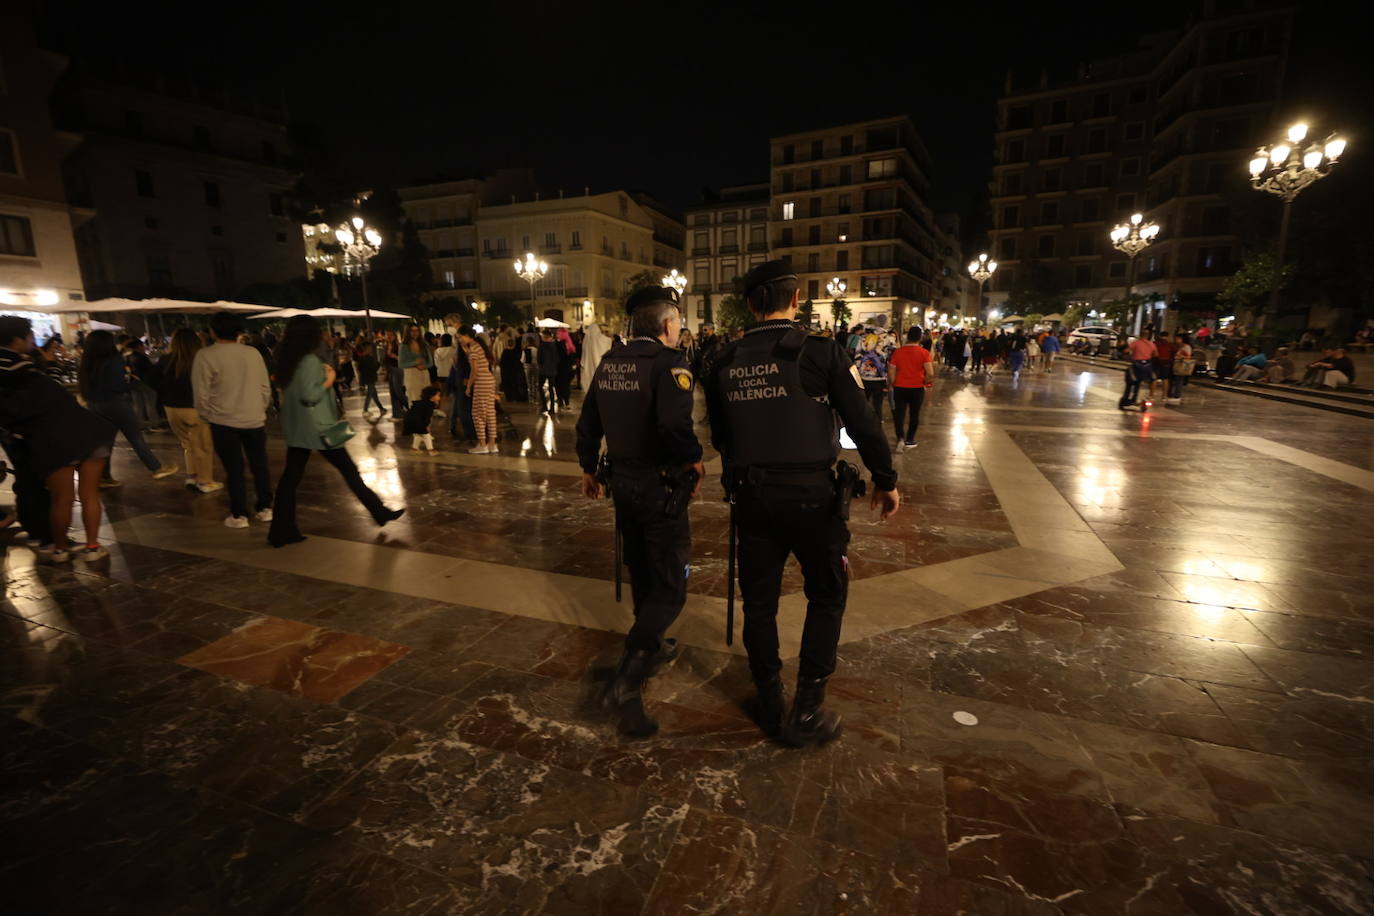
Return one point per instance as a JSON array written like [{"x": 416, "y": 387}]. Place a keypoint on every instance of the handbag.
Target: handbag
[{"x": 336, "y": 434}]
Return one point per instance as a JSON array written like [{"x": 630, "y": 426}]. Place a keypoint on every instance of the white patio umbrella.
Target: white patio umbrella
[
  {"x": 550, "y": 323},
  {"x": 105, "y": 326},
  {"x": 184, "y": 306},
  {"x": 325, "y": 313}
]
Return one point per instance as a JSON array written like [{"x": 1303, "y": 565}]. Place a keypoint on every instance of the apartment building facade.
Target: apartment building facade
[
  {"x": 726, "y": 236},
  {"x": 851, "y": 202},
  {"x": 593, "y": 245},
  {"x": 190, "y": 184},
  {"x": 38, "y": 263},
  {"x": 1166, "y": 131}
]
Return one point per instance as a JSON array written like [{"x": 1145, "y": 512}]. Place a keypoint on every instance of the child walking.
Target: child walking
[{"x": 418, "y": 416}]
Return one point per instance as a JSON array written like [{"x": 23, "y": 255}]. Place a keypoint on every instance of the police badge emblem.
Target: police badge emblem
[{"x": 683, "y": 378}]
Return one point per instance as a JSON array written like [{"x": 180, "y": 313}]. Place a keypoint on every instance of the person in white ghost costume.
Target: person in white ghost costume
[{"x": 594, "y": 346}]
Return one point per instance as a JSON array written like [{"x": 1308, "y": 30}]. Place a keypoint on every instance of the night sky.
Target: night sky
[{"x": 668, "y": 99}]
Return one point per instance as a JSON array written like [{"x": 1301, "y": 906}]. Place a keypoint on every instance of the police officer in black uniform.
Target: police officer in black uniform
[
  {"x": 641, "y": 402},
  {"x": 772, "y": 398}
]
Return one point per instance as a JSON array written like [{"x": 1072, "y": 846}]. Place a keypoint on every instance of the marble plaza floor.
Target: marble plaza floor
[{"x": 1161, "y": 627}]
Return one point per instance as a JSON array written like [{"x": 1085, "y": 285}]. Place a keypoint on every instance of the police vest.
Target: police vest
[
  {"x": 624, "y": 384},
  {"x": 772, "y": 420}
]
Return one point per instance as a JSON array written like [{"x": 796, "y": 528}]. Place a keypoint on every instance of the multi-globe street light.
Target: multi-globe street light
[
  {"x": 1131, "y": 239},
  {"x": 835, "y": 287},
  {"x": 531, "y": 271},
  {"x": 981, "y": 270},
  {"x": 361, "y": 243},
  {"x": 1283, "y": 170},
  {"x": 675, "y": 280}
]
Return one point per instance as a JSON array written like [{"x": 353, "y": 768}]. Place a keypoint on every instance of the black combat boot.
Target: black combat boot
[
  {"x": 809, "y": 723},
  {"x": 769, "y": 706},
  {"x": 666, "y": 655},
  {"x": 625, "y": 698}
]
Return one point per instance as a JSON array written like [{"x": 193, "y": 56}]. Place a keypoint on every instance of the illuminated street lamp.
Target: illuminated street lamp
[
  {"x": 531, "y": 271},
  {"x": 1131, "y": 239},
  {"x": 982, "y": 271},
  {"x": 1284, "y": 170},
  {"x": 361, "y": 243},
  {"x": 675, "y": 280},
  {"x": 835, "y": 287}
]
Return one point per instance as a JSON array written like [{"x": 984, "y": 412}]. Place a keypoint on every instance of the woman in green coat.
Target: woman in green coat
[{"x": 310, "y": 422}]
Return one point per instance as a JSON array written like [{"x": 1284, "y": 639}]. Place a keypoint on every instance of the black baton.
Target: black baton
[
  {"x": 730, "y": 582},
  {"x": 617, "y": 559}
]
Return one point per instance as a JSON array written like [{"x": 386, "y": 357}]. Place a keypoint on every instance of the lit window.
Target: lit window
[{"x": 789, "y": 210}]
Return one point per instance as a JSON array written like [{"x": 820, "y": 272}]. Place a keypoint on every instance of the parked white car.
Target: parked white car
[{"x": 1092, "y": 333}]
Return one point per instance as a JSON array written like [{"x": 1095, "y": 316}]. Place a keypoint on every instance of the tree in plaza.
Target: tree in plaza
[
  {"x": 296, "y": 293},
  {"x": 1248, "y": 289},
  {"x": 503, "y": 311},
  {"x": 642, "y": 280},
  {"x": 841, "y": 312},
  {"x": 1116, "y": 312},
  {"x": 1033, "y": 319},
  {"x": 805, "y": 313}
]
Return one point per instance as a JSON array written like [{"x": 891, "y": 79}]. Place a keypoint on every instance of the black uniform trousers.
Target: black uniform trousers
[
  {"x": 773, "y": 520},
  {"x": 32, "y": 503},
  {"x": 657, "y": 550}
]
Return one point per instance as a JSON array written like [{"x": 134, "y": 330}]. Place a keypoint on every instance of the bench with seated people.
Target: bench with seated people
[{"x": 1333, "y": 370}]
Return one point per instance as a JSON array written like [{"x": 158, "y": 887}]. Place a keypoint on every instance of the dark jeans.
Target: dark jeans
[
  {"x": 548, "y": 392},
  {"x": 875, "y": 391},
  {"x": 31, "y": 500},
  {"x": 231, "y": 443},
  {"x": 284, "y": 528},
  {"x": 657, "y": 551},
  {"x": 460, "y": 411},
  {"x": 120, "y": 412},
  {"x": 773, "y": 521},
  {"x": 1132, "y": 390},
  {"x": 902, "y": 400},
  {"x": 396, "y": 380},
  {"x": 370, "y": 396},
  {"x": 1176, "y": 383}
]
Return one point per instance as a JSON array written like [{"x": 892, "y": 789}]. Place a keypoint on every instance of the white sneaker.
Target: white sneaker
[
  {"x": 1173, "y": 400},
  {"x": 479, "y": 450},
  {"x": 900, "y": 446},
  {"x": 263, "y": 515},
  {"x": 209, "y": 487},
  {"x": 493, "y": 450},
  {"x": 440, "y": 414},
  {"x": 235, "y": 521},
  {"x": 165, "y": 472}
]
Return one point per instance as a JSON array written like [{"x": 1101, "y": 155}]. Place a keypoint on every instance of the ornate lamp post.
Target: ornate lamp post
[
  {"x": 1283, "y": 170},
  {"x": 981, "y": 270},
  {"x": 531, "y": 271},
  {"x": 835, "y": 288},
  {"x": 675, "y": 280},
  {"x": 1132, "y": 238},
  {"x": 361, "y": 243}
]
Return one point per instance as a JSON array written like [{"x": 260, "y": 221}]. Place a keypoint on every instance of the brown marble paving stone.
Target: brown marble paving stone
[
  {"x": 1117, "y": 610},
  {"x": 80, "y": 678},
  {"x": 1144, "y": 650},
  {"x": 421, "y": 624},
  {"x": 1010, "y": 745},
  {"x": 1040, "y": 677},
  {"x": 296, "y": 658},
  {"x": 1148, "y": 771},
  {"x": 1322, "y": 635},
  {"x": 431, "y": 672},
  {"x": 723, "y": 865},
  {"x": 1305, "y": 726},
  {"x": 1302, "y": 801},
  {"x": 538, "y": 837},
  {"x": 554, "y": 649},
  {"x": 1225, "y": 592},
  {"x": 1310, "y": 674}
]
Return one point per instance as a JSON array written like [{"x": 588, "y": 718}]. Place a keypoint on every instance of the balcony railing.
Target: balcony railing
[
  {"x": 729, "y": 249},
  {"x": 494, "y": 254},
  {"x": 758, "y": 246},
  {"x": 701, "y": 252},
  {"x": 550, "y": 249}
]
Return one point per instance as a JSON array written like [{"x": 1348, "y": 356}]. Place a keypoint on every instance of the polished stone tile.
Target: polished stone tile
[{"x": 295, "y": 657}]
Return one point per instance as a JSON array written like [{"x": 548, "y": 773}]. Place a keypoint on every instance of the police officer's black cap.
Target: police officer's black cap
[
  {"x": 768, "y": 272},
  {"x": 650, "y": 294}
]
